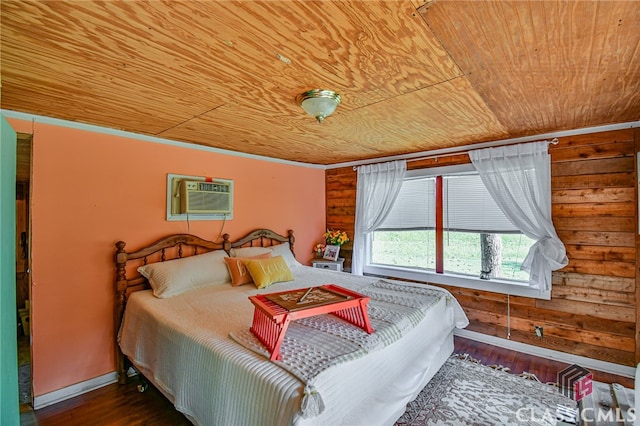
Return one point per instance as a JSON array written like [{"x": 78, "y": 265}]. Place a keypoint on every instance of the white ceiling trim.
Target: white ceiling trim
[
  {"x": 466, "y": 148},
  {"x": 122, "y": 133},
  {"x": 431, "y": 153}
]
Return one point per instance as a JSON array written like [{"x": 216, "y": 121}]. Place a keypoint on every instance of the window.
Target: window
[{"x": 477, "y": 246}]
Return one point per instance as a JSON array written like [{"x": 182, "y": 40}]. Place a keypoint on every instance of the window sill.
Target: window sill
[{"x": 465, "y": 281}]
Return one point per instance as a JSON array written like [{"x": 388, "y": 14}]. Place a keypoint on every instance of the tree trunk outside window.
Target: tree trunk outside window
[{"x": 491, "y": 248}]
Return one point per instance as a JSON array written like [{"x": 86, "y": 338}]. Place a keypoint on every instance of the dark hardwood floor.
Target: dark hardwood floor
[
  {"x": 545, "y": 370},
  {"x": 116, "y": 405},
  {"x": 123, "y": 405}
]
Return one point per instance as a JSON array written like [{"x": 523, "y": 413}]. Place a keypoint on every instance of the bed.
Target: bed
[{"x": 192, "y": 341}]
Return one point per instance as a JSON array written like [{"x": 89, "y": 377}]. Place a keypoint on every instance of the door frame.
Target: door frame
[{"x": 9, "y": 408}]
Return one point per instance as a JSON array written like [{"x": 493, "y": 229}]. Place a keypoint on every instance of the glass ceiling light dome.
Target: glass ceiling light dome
[{"x": 319, "y": 103}]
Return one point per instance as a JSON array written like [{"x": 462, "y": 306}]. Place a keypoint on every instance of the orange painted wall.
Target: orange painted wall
[{"x": 90, "y": 190}]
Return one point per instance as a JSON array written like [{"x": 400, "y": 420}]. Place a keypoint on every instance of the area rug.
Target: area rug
[{"x": 465, "y": 392}]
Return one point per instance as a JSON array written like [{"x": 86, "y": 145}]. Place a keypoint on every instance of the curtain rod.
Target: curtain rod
[{"x": 553, "y": 141}]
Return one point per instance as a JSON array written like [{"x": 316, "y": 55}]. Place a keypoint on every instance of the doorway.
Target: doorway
[{"x": 23, "y": 275}]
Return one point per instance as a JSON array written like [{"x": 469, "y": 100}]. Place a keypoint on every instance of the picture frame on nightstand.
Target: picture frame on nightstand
[{"x": 331, "y": 252}]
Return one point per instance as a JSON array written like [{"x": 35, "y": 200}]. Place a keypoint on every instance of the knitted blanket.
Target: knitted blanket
[{"x": 312, "y": 345}]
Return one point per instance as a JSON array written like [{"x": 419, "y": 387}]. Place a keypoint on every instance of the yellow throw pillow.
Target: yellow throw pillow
[
  {"x": 268, "y": 271},
  {"x": 238, "y": 271}
]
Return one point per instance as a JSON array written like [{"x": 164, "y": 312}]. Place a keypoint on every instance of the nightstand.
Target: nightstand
[{"x": 334, "y": 265}]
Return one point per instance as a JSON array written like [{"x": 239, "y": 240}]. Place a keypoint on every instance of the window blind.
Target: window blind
[
  {"x": 415, "y": 206},
  {"x": 468, "y": 207}
]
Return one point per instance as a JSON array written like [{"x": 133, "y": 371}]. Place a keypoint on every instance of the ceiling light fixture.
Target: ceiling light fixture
[{"x": 319, "y": 103}]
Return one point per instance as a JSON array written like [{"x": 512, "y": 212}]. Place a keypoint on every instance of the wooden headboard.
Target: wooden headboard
[
  {"x": 264, "y": 238},
  {"x": 168, "y": 248}
]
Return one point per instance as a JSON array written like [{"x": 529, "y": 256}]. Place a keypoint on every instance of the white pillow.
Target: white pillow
[
  {"x": 249, "y": 251},
  {"x": 179, "y": 275},
  {"x": 284, "y": 250}
]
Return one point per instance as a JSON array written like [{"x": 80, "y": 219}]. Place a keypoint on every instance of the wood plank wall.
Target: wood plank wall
[{"x": 592, "y": 311}]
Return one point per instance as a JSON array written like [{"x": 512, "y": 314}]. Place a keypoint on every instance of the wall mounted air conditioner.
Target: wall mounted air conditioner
[{"x": 200, "y": 197}]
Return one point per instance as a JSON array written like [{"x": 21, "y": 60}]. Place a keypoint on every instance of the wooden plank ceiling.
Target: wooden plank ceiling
[{"x": 413, "y": 76}]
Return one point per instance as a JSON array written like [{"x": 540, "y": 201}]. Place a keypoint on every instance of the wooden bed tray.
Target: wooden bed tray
[{"x": 128, "y": 280}]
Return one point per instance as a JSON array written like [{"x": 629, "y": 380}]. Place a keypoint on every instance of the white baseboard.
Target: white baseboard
[
  {"x": 60, "y": 395},
  {"x": 588, "y": 363}
]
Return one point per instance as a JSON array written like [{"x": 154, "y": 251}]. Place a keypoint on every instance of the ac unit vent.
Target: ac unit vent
[{"x": 198, "y": 197}]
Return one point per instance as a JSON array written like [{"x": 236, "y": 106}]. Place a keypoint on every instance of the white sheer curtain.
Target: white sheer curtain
[
  {"x": 518, "y": 177},
  {"x": 377, "y": 189}
]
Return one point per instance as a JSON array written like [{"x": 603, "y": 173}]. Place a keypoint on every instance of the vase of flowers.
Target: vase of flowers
[
  {"x": 318, "y": 250},
  {"x": 336, "y": 238},
  {"x": 332, "y": 240}
]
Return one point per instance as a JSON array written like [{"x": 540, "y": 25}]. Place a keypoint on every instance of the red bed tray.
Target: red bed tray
[{"x": 274, "y": 311}]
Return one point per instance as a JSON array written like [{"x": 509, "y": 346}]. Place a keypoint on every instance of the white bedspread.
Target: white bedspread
[{"x": 182, "y": 344}]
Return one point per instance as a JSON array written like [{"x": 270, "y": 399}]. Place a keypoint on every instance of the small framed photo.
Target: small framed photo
[{"x": 331, "y": 252}]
